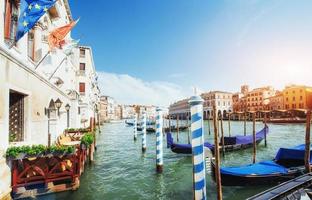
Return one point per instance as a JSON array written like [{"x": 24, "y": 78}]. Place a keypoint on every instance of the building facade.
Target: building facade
[
  {"x": 257, "y": 99},
  {"x": 222, "y": 100},
  {"x": 276, "y": 102},
  {"x": 297, "y": 97},
  {"x": 36, "y": 87}
]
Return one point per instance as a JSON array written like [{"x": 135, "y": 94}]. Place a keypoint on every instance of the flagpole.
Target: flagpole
[
  {"x": 57, "y": 68},
  {"x": 42, "y": 60}
]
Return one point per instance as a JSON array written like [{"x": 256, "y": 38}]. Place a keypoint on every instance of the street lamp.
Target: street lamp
[
  {"x": 67, "y": 107},
  {"x": 58, "y": 104}
]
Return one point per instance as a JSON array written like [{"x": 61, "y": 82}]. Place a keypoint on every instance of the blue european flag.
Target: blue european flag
[{"x": 31, "y": 11}]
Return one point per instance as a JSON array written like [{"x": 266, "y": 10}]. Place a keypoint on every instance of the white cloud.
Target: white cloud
[{"x": 130, "y": 90}]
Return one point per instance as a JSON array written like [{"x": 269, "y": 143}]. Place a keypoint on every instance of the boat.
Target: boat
[
  {"x": 173, "y": 128},
  {"x": 298, "y": 188},
  {"x": 287, "y": 164},
  {"x": 289, "y": 120},
  {"x": 230, "y": 143}
]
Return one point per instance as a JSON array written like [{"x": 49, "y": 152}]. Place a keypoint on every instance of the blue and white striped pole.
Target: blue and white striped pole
[
  {"x": 199, "y": 169},
  {"x": 159, "y": 141},
  {"x": 135, "y": 133},
  {"x": 144, "y": 133}
]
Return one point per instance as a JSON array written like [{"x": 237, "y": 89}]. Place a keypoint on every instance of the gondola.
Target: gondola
[
  {"x": 298, "y": 188},
  {"x": 230, "y": 143},
  {"x": 287, "y": 164}
]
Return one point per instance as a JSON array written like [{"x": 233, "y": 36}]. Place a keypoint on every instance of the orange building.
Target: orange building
[{"x": 297, "y": 97}]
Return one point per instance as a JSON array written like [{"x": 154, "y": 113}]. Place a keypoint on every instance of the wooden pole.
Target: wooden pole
[
  {"x": 307, "y": 143},
  {"x": 254, "y": 137},
  {"x": 169, "y": 123},
  {"x": 222, "y": 135},
  {"x": 265, "y": 128},
  {"x": 245, "y": 123},
  {"x": 188, "y": 129},
  {"x": 217, "y": 155},
  {"x": 178, "y": 128},
  {"x": 209, "y": 125},
  {"x": 229, "y": 124}
]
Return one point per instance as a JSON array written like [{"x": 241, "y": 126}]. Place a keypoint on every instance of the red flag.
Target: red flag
[{"x": 56, "y": 37}]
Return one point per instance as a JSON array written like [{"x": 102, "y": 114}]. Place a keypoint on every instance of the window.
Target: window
[
  {"x": 10, "y": 21},
  {"x": 294, "y": 98},
  {"x": 82, "y": 87},
  {"x": 82, "y": 66},
  {"x": 286, "y": 98},
  {"x": 294, "y": 106},
  {"x": 31, "y": 52},
  {"x": 82, "y": 53},
  {"x": 301, "y": 98}
]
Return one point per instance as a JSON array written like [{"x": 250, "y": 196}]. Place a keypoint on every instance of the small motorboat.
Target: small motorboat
[
  {"x": 230, "y": 143},
  {"x": 288, "y": 164}
]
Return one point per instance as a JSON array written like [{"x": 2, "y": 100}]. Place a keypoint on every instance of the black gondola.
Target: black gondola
[
  {"x": 231, "y": 143},
  {"x": 298, "y": 188},
  {"x": 288, "y": 164}
]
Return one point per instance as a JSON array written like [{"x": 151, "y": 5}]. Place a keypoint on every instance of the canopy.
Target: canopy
[
  {"x": 294, "y": 153},
  {"x": 261, "y": 168}
]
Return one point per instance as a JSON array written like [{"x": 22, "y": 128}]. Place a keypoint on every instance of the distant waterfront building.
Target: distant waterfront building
[
  {"x": 222, "y": 100},
  {"x": 257, "y": 99},
  {"x": 128, "y": 111},
  {"x": 297, "y": 97},
  {"x": 276, "y": 102},
  {"x": 238, "y": 102},
  {"x": 180, "y": 107},
  {"x": 108, "y": 109}
]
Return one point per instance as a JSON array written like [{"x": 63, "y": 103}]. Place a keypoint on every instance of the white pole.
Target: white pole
[
  {"x": 144, "y": 133},
  {"x": 159, "y": 141},
  {"x": 198, "y": 158},
  {"x": 135, "y": 131}
]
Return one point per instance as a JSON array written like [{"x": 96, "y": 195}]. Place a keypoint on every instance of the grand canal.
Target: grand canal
[{"x": 121, "y": 171}]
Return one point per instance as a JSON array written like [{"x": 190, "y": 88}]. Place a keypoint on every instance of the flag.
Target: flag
[
  {"x": 68, "y": 48},
  {"x": 31, "y": 11},
  {"x": 56, "y": 37}
]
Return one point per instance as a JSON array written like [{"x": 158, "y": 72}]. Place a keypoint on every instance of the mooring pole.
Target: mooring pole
[
  {"x": 135, "y": 130},
  {"x": 217, "y": 154},
  {"x": 222, "y": 135},
  {"x": 209, "y": 125},
  {"x": 265, "y": 129},
  {"x": 245, "y": 118},
  {"x": 229, "y": 124},
  {"x": 159, "y": 141},
  {"x": 144, "y": 133},
  {"x": 198, "y": 158},
  {"x": 307, "y": 143},
  {"x": 188, "y": 129},
  {"x": 254, "y": 137},
  {"x": 177, "y": 127},
  {"x": 169, "y": 123}
]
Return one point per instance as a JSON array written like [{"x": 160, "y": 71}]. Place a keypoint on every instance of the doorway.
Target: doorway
[{"x": 16, "y": 116}]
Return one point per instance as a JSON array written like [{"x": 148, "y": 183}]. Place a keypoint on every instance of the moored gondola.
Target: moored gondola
[
  {"x": 230, "y": 143},
  {"x": 288, "y": 164},
  {"x": 298, "y": 188}
]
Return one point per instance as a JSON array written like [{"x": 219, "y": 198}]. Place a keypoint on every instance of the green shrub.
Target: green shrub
[
  {"x": 36, "y": 150},
  {"x": 87, "y": 139}
]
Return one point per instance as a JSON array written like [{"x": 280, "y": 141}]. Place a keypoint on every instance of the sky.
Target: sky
[{"x": 157, "y": 51}]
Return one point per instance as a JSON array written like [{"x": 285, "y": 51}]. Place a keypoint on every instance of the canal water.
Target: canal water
[{"x": 121, "y": 171}]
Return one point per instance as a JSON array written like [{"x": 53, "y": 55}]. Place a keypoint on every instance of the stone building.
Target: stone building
[
  {"x": 36, "y": 96},
  {"x": 222, "y": 101},
  {"x": 257, "y": 99}
]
